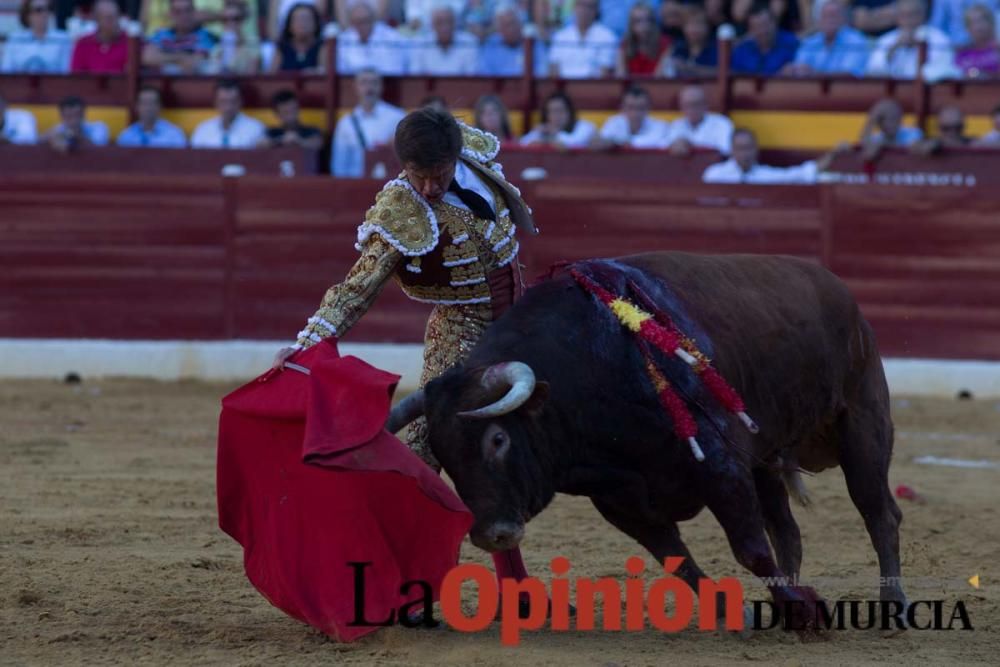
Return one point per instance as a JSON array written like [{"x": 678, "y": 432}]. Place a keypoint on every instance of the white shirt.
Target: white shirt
[
  {"x": 652, "y": 133},
  {"x": 244, "y": 132},
  {"x": 903, "y": 64},
  {"x": 461, "y": 58},
  {"x": 760, "y": 174},
  {"x": 579, "y": 56},
  {"x": 714, "y": 131},
  {"x": 469, "y": 180},
  {"x": 385, "y": 51},
  {"x": 96, "y": 132},
  {"x": 19, "y": 127},
  {"x": 378, "y": 128},
  {"x": 581, "y": 135},
  {"x": 22, "y": 52}
]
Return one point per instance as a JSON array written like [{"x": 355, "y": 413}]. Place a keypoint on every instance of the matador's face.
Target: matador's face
[{"x": 431, "y": 182}]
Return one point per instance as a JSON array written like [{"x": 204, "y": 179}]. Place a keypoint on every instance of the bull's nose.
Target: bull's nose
[{"x": 504, "y": 535}]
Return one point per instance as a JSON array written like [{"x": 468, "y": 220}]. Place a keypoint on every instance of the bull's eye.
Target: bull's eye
[{"x": 495, "y": 443}]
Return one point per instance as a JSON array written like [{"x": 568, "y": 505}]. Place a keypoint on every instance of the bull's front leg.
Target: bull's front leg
[{"x": 732, "y": 498}]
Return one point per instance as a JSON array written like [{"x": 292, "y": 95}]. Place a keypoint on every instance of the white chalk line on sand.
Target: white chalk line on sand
[
  {"x": 947, "y": 437},
  {"x": 957, "y": 463}
]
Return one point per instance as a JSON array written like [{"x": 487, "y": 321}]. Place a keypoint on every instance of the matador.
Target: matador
[{"x": 445, "y": 231}]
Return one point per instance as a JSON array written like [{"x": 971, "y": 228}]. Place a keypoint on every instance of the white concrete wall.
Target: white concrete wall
[{"x": 241, "y": 360}]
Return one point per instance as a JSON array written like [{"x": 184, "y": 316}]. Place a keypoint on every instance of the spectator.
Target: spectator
[
  {"x": 884, "y": 128},
  {"x": 445, "y": 52},
  {"x": 151, "y": 130},
  {"x": 981, "y": 56},
  {"x": 105, "y": 50},
  {"x": 560, "y": 126},
  {"x": 477, "y": 17},
  {"x": 435, "y": 102},
  {"x": 766, "y": 48},
  {"x": 951, "y": 133},
  {"x": 697, "y": 53},
  {"x": 290, "y": 131},
  {"x": 617, "y": 14},
  {"x": 300, "y": 47},
  {"x": 372, "y": 123},
  {"x": 744, "y": 166},
  {"x": 896, "y": 53},
  {"x": 235, "y": 53},
  {"x": 633, "y": 126},
  {"x": 673, "y": 14},
  {"x": 369, "y": 43},
  {"x": 491, "y": 116},
  {"x": 278, "y": 11},
  {"x": 835, "y": 47},
  {"x": 502, "y": 54},
  {"x": 697, "y": 127},
  {"x": 585, "y": 48},
  {"x": 643, "y": 46},
  {"x": 156, "y": 14},
  {"x": 184, "y": 47},
  {"x": 419, "y": 13},
  {"x": 991, "y": 138},
  {"x": 16, "y": 125},
  {"x": 785, "y": 13},
  {"x": 74, "y": 132},
  {"x": 38, "y": 48},
  {"x": 717, "y": 12},
  {"x": 873, "y": 17},
  {"x": 950, "y": 17},
  {"x": 231, "y": 128}
]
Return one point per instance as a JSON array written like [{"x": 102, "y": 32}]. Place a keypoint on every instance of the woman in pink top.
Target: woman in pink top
[
  {"x": 106, "y": 50},
  {"x": 981, "y": 58}
]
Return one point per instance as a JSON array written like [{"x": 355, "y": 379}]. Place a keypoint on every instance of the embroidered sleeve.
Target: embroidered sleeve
[{"x": 344, "y": 304}]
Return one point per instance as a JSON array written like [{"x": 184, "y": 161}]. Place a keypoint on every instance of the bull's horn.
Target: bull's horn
[
  {"x": 405, "y": 411},
  {"x": 520, "y": 380}
]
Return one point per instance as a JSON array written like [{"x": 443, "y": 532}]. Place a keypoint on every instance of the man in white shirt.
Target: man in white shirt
[
  {"x": 896, "y": 53},
  {"x": 698, "y": 127},
  {"x": 372, "y": 123},
  {"x": 743, "y": 166},
  {"x": 231, "y": 128},
  {"x": 633, "y": 126},
  {"x": 445, "y": 51},
  {"x": 17, "y": 126},
  {"x": 585, "y": 49},
  {"x": 369, "y": 43},
  {"x": 74, "y": 132}
]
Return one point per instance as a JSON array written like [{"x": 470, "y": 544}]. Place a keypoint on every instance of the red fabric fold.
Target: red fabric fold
[{"x": 363, "y": 496}]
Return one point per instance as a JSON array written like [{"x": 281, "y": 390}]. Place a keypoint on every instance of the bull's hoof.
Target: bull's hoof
[{"x": 805, "y": 618}]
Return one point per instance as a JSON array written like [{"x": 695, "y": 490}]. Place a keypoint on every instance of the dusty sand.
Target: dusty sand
[{"x": 110, "y": 551}]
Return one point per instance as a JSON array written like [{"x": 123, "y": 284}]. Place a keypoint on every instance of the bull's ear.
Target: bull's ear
[{"x": 539, "y": 397}]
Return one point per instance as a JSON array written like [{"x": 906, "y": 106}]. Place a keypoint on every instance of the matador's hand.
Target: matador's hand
[{"x": 282, "y": 356}]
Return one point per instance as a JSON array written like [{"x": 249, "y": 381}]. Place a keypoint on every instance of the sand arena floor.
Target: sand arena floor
[{"x": 110, "y": 551}]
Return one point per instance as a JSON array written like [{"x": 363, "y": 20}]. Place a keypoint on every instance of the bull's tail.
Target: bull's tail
[{"x": 796, "y": 487}]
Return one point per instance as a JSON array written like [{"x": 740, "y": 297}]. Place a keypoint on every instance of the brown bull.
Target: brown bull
[{"x": 555, "y": 398}]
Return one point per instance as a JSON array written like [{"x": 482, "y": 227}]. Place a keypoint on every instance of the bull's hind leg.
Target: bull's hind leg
[
  {"x": 779, "y": 521},
  {"x": 865, "y": 451}
]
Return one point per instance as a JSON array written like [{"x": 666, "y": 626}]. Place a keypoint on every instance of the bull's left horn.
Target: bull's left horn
[
  {"x": 405, "y": 411},
  {"x": 516, "y": 375}
]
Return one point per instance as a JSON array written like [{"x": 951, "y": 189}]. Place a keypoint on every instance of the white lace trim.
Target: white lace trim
[
  {"x": 498, "y": 168},
  {"x": 460, "y": 262},
  {"x": 297, "y": 346},
  {"x": 462, "y": 238},
  {"x": 476, "y": 155},
  {"x": 412, "y": 269},
  {"x": 308, "y": 335},
  {"x": 366, "y": 229},
  {"x": 315, "y": 319},
  {"x": 455, "y": 302},
  {"x": 489, "y": 231},
  {"x": 470, "y": 281},
  {"x": 513, "y": 254}
]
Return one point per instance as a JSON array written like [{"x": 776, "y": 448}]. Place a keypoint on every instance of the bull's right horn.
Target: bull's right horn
[
  {"x": 516, "y": 375},
  {"x": 405, "y": 411}
]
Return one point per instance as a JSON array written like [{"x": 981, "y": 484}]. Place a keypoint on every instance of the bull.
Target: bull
[{"x": 554, "y": 398}]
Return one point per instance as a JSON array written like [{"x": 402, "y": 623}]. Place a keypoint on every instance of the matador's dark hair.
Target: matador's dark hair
[{"x": 428, "y": 138}]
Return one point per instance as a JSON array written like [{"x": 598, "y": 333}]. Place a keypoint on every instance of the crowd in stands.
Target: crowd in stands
[{"x": 572, "y": 38}]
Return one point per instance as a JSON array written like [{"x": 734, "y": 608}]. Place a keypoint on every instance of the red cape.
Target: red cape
[{"x": 308, "y": 481}]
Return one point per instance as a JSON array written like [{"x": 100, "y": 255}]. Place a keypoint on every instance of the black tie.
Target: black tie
[{"x": 474, "y": 201}]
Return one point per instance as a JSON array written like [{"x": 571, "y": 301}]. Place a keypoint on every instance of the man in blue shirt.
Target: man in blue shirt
[
  {"x": 766, "y": 48},
  {"x": 502, "y": 54},
  {"x": 151, "y": 130},
  {"x": 835, "y": 47}
]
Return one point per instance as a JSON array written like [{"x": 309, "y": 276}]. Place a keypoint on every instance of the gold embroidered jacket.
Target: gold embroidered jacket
[{"x": 437, "y": 253}]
